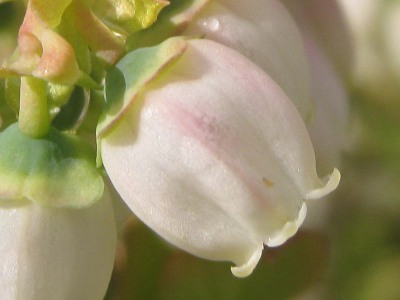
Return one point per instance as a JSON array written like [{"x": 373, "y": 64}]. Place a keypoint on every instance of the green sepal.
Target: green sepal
[
  {"x": 57, "y": 170},
  {"x": 68, "y": 31},
  {"x": 172, "y": 21},
  {"x": 125, "y": 81}
]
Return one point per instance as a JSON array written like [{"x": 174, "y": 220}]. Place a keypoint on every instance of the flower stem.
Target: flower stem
[{"x": 34, "y": 117}]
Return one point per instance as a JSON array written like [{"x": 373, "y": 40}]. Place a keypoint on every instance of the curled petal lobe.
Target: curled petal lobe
[
  {"x": 214, "y": 157},
  {"x": 288, "y": 230},
  {"x": 247, "y": 268}
]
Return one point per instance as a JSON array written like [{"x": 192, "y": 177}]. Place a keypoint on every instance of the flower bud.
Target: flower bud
[
  {"x": 322, "y": 24},
  {"x": 214, "y": 157},
  {"x": 326, "y": 23},
  {"x": 55, "y": 253},
  {"x": 264, "y": 32},
  {"x": 330, "y": 125}
]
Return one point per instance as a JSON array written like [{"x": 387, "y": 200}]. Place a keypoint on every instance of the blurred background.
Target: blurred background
[{"x": 349, "y": 247}]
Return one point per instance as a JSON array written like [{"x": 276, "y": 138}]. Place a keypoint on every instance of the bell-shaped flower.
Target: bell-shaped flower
[
  {"x": 57, "y": 228},
  {"x": 208, "y": 150},
  {"x": 56, "y": 253},
  {"x": 265, "y": 32}
]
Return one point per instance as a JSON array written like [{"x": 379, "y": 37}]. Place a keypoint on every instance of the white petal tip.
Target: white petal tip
[
  {"x": 288, "y": 230},
  {"x": 247, "y": 268},
  {"x": 331, "y": 185}
]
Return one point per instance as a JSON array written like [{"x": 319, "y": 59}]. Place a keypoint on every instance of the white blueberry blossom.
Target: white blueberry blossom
[{"x": 215, "y": 157}]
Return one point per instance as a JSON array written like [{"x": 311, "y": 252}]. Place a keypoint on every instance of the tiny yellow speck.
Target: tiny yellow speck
[{"x": 267, "y": 182}]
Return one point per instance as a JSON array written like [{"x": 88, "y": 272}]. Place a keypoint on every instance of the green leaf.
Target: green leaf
[
  {"x": 57, "y": 170},
  {"x": 131, "y": 75}
]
